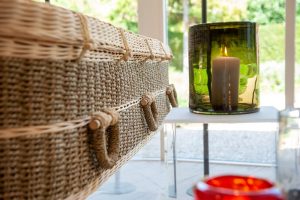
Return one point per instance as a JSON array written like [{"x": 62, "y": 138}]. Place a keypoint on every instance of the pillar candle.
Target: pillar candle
[{"x": 225, "y": 83}]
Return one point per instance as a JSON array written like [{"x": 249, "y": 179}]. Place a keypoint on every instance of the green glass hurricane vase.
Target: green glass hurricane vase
[{"x": 223, "y": 68}]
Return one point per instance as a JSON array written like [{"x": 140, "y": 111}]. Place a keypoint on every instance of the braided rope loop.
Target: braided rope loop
[
  {"x": 107, "y": 148},
  {"x": 172, "y": 95},
  {"x": 150, "y": 111}
]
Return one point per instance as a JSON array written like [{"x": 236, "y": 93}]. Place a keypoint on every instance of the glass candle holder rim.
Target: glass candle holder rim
[
  {"x": 203, "y": 185},
  {"x": 222, "y": 24}
]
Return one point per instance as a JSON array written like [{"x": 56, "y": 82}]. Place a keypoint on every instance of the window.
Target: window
[{"x": 271, "y": 20}]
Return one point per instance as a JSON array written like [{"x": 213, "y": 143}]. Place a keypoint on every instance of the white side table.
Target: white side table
[{"x": 183, "y": 115}]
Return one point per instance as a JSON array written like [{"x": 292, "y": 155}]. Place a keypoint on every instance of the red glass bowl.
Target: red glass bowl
[{"x": 232, "y": 187}]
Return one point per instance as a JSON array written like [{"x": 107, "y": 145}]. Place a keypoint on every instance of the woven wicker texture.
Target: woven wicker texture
[
  {"x": 42, "y": 31},
  {"x": 35, "y": 92},
  {"x": 70, "y": 102},
  {"x": 58, "y": 164},
  {"x": 44, "y": 155}
]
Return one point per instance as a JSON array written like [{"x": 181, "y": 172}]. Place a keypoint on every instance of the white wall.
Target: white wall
[
  {"x": 152, "y": 19},
  {"x": 290, "y": 23}
]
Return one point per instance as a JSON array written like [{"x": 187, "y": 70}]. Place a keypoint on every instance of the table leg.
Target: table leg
[
  {"x": 174, "y": 192},
  {"x": 162, "y": 144},
  {"x": 170, "y": 159},
  {"x": 205, "y": 150},
  {"x": 205, "y": 156}
]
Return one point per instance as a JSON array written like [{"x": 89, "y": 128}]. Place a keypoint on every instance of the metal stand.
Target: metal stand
[
  {"x": 205, "y": 156},
  {"x": 205, "y": 150},
  {"x": 173, "y": 188},
  {"x": 118, "y": 187}
]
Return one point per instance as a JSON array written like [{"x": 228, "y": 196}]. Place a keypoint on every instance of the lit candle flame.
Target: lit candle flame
[{"x": 225, "y": 51}]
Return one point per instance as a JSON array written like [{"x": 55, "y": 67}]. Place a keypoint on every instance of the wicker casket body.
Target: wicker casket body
[{"x": 78, "y": 98}]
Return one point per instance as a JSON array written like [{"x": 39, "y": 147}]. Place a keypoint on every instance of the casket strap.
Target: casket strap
[
  {"x": 87, "y": 43},
  {"x": 106, "y": 137},
  {"x": 167, "y": 57},
  {"x": 150, "y": 50},
  {"x": 128, "y": 52},
  {"x": 172, "y": 95},
  {"x": 150, "y": 111}
]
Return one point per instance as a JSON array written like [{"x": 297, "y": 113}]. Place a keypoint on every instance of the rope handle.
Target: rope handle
[
  {"x": 150, "y": 111},
  {"x": 107, "y": 148},
  {"x": 172, "y": 95}
]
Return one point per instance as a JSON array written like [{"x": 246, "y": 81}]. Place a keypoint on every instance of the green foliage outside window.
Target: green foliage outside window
[{"x": 269, "y": 15}]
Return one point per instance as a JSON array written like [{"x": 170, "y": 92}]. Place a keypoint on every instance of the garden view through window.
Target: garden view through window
[{"x": 271, "y": 20}]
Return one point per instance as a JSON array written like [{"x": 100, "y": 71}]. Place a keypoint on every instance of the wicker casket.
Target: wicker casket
[{"x": 78, "y": 98}]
